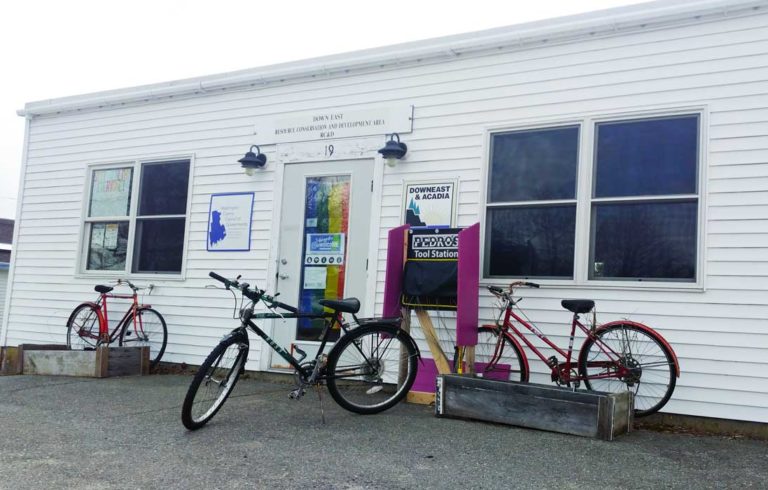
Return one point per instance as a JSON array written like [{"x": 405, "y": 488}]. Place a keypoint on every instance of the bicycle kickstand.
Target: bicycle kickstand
[{"x": 320, "y": 401}]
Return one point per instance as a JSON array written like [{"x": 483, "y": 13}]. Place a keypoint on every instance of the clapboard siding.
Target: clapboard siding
[{"x": 719, "y": 332}]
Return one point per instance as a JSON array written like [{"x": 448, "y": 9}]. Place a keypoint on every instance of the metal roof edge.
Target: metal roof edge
[{"x": 615, "y": 21}]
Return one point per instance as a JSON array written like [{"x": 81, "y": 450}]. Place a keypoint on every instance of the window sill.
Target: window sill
[
  {"x": 124, "y": 275},
  {"x": 603, "y": 285}
]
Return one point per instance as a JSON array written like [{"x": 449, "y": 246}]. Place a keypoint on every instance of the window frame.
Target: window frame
[
  {"x": 587, "y": 123},
  {"x": 85, "y": 221}
]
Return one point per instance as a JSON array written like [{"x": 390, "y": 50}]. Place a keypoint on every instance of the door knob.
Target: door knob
[{"x": 283, "y": 276}]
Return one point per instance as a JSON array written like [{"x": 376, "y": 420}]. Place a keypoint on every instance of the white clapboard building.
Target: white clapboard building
[{"x": 620, "y": 155}]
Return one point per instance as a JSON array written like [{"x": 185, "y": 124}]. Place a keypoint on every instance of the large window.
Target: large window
[
  {"x": 531, "y": 214},
  {"x": 141, "y": 208},
  {"x": 639, "y": 201}
]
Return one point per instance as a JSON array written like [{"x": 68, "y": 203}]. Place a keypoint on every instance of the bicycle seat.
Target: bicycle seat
[
  {"x": 103, "y": 289},
  {"x": 578, "y": 305},
  {"x": 346, "y": 305}
]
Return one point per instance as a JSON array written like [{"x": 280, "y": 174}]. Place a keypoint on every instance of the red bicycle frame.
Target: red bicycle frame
[
  {"x": 562, "y": 371},
  {"x": 105, "y": 336}
]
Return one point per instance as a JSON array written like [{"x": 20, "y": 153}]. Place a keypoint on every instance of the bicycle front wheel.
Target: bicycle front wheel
[
  {"x": 215, "y": 380},
  {"x": 649, "y": 366},
  {"x": 83, "y": 327},
  {"x": 364, "y": 368},
  {"x": 148, "y": 329},
  {"x": 497, "y": 357}
]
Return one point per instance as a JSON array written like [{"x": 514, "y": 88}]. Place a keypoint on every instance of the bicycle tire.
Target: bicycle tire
[
  {"x": 641, "y": 348},
  {"x": 222, "y": 368},
  {"x": 83, "y": 327},
  {"x": 153, "y": 333},
  {"x": 363, "y": 368},
  {"x": 498, "y": 357}
]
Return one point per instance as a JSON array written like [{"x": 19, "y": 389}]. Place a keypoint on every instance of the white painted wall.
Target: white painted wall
[{"x": 719, "y": 332}]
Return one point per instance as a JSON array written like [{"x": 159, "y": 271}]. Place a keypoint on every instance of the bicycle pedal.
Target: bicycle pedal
[{"x": 296, "y": 394}]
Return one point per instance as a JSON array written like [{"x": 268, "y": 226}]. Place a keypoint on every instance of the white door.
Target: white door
[{"x": 323, "y": 251}]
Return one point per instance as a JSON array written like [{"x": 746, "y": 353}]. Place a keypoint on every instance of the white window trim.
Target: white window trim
[
  {"x": 586, "y": 123},
  {"x": 135, "y": 163}
]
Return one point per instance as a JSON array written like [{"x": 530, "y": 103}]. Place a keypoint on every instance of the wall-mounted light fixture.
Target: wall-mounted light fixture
[
  {"x": 393, "y": 150},
  {"x": 251, "y": 161}
]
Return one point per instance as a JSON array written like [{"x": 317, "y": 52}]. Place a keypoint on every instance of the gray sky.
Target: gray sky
[{"x": 54, "y": 48}]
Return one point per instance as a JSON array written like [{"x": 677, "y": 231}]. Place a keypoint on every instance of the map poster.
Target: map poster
[
  {"x": 431, "y": 203},
  {"x": 229, "y": 222}
]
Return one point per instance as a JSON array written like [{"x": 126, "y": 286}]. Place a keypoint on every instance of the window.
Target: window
[
  {"x": 641, "y": 202},
  {"x": 152, "y": 226},
  {"x": 645, "y": 202},
  {"x": 531, "y": 213}
]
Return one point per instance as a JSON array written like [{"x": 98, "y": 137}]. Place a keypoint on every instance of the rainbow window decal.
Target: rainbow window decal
[{"x": 326, "y": 223}]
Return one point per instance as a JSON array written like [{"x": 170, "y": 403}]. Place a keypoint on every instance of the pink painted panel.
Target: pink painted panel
[
  {"x": 393, "y": 278},
  {"x": 468, "y": 281}
]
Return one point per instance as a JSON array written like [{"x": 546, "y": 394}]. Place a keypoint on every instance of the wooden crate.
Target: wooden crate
[
  {"x": 57, "y": 360},
  {"x": 545, "y": 407}
]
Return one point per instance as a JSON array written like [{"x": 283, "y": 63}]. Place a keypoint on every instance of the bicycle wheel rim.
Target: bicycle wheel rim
[
  {"x": 83, "y": 329},
  {"x": 642, "y": 350},
  {"x": 148, "y": 330},
  {"x": 364, "y": 375},
  {"x": 217, "y": 382},
  {"x": 496, "y": 357}
]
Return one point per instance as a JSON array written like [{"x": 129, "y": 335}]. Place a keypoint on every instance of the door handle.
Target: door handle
[{"x": 283, "y": 276}]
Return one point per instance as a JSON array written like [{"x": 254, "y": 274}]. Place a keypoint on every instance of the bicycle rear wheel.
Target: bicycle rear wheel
[
  {"x": 650, "y": 364},
  {"x": 149, "y": 329},
  {"x": 215, "y": 380},
  {"x": 497, "y": 357},
  {"x": 83, "y": 327},
  {"x": 364, "y": 367}
]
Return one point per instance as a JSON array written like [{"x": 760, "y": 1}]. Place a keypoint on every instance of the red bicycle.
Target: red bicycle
[
  {"x": 88, "y": 325},
  {"x": 617, "y": 356}
]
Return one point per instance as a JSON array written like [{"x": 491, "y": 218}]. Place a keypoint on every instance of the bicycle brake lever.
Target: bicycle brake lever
[{"x": 274, "y": 312}]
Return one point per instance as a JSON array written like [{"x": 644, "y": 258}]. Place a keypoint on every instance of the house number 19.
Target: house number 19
[{"x": 328, "y": 150}]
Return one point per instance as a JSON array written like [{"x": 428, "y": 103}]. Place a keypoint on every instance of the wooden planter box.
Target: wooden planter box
[
  {"x": 10, "y": 361},
  {"x": 583, "y": 413},
  {"x": 57, "y": 360}
]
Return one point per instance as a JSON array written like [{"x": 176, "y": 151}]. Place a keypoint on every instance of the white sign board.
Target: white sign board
[
  {"x": 335, "y": 123},
  {"x": 431, "y": 203},
  {"x": 317, "y": 151},
  {"x": 229, "y": 222}
]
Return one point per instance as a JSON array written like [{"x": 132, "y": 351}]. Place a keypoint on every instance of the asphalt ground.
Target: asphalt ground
[{"x": 58, "y": 432}]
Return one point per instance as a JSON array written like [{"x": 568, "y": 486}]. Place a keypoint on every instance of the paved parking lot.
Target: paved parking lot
[{"x": 126, "y": 433}]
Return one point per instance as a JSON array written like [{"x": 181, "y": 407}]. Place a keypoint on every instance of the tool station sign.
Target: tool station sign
[{"x": 434, "y": 244}]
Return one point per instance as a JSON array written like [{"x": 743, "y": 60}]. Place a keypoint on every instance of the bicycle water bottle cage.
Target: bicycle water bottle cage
[{"x": 578, "y": 305}]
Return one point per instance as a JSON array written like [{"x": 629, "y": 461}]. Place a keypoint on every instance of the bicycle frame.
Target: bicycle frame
[
  {"x": 105, "y": 336},
  {"x": 331, "y": 320},
  {"x": 562, "y": 371}
]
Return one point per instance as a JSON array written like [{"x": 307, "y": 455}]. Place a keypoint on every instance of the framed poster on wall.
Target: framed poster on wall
[
  {"x": 430, "y": 203},
  {"x": 229, "y": 222}
]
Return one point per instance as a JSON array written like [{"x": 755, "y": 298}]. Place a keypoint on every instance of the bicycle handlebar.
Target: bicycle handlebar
[
  {"x": 252, "y": 294},
  {"x": 506, "y": 292}
]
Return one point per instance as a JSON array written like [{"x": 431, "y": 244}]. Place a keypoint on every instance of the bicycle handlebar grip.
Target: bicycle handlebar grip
[
  {"x": 219, "y": 278},
  {"x": 495, "y": 289},
  {"x": 531, "y": 284}
]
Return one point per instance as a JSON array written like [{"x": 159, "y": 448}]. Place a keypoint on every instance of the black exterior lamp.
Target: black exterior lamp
[
  {"x": 251, "y": 161},
  {"x": 393, "y": 150}
]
